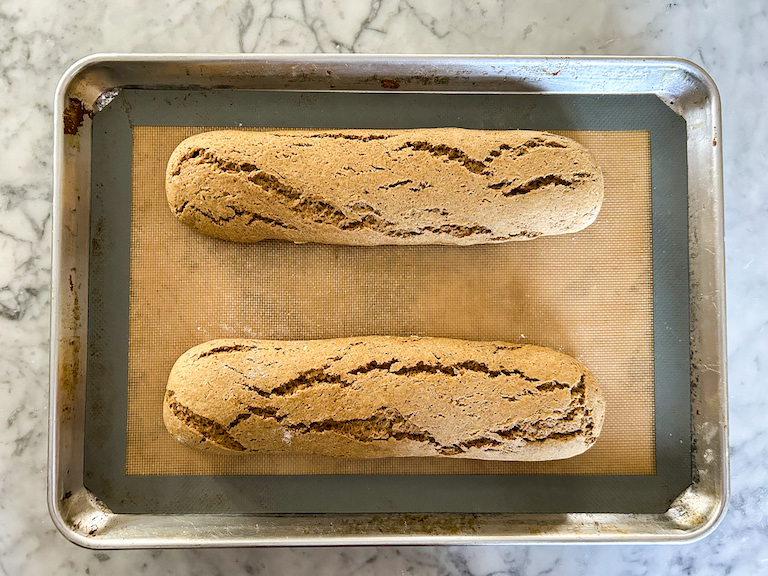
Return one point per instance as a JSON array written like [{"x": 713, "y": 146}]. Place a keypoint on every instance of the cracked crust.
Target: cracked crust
[
  {"x": 380, "y": 396},
  {"x": 363, "y": 187}
]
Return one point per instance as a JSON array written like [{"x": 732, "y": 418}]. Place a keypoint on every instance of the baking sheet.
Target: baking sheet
[{"x": 588, "y": 294}]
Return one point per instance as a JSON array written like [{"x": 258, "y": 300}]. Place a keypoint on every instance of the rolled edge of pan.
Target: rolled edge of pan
[
  {"x": 378, "y": 187},
  {"x": 381, "y": 396}
]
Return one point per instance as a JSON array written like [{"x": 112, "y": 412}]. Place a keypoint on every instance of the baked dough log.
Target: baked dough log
[
  {"x": 373, "y": 187},
  {"x": 378, "y": 396}
]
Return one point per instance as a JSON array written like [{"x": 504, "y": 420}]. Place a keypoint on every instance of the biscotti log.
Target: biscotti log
[
  {"x": 372, "y": 187},
  {"x": 379, "y": 396}
]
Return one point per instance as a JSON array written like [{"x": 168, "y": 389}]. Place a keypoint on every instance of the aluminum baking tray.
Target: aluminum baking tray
[{"x": 696, "y": 505}]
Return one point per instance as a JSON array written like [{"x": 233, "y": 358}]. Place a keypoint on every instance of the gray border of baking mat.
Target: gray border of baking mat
[{"x": 106, "y": 393}]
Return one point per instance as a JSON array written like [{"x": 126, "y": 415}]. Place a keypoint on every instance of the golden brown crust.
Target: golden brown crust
[
  {"x": 380, "y": 396},
  {"x": 373, "y": 187}
]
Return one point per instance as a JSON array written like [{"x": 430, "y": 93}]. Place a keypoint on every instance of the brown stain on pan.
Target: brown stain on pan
[
  {"x": 390, "y": 83},
  {"x": 395, "y": 83},
  {"x": 69, "y": 360},
  {"x": 74, "y": 114},
  {"x": 428, "y": 524}
]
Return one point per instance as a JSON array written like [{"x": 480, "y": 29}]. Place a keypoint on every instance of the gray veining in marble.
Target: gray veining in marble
[{"x": 40, "y": 38}]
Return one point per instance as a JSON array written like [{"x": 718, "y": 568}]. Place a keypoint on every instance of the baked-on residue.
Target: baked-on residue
[
  {"x": 379, "y": 396},
  {"x": 373, "y": 187}
]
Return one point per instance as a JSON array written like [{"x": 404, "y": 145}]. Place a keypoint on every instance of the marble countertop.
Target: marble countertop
[{"x": 40, "y": 38}]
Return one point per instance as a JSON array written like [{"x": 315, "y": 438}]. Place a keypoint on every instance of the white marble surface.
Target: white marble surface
[{"x": 40, "y": 38}]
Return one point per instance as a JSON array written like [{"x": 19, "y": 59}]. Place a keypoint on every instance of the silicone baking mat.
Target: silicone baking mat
[{"x": 614, "y": 295}]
